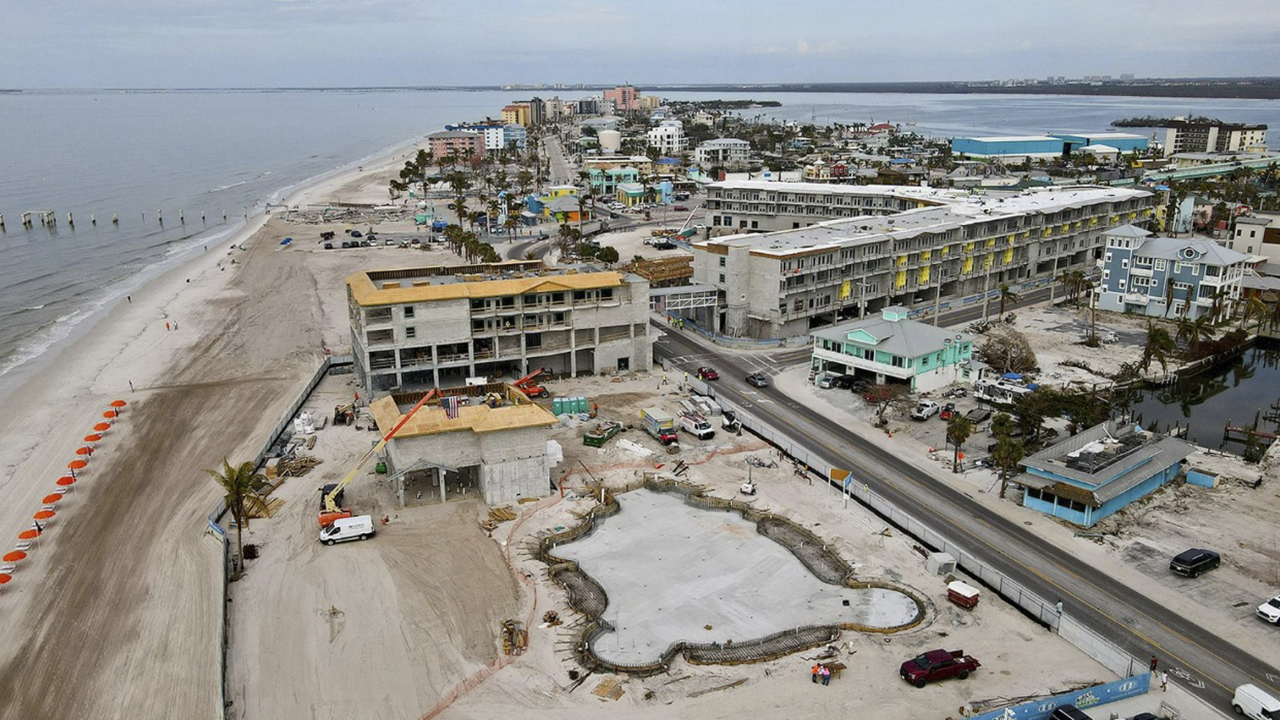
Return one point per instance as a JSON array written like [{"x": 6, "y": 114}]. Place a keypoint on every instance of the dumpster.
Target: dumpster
[{"x": 962, "y": 594}]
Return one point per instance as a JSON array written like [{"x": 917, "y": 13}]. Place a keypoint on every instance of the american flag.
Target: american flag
[{"x": 450, "y": 405}]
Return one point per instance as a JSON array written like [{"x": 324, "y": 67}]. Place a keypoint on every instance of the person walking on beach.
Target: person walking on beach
[
  {"x": 817, "y": 671},
  {"x": 826, "y": 675},
  {"x": 1154, "y": 663},
  {"x": 131, "y": 386},
  {"x": 166, "y": 325},
  {"x": 1164, "y": 682}
]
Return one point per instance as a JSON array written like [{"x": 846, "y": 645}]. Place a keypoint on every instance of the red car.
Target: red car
[
  {"x": 706, "y": 373},
  {"x": 938, "y": 665},
  {"x": 680, "y": 208}
]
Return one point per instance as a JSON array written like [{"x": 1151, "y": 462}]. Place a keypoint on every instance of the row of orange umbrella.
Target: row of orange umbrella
[{"x": 47, "y": 512}]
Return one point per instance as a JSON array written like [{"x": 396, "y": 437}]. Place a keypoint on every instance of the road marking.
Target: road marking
[
  {"x": 1064, "y": 569},
  {"x": 1273, "y": 677}
]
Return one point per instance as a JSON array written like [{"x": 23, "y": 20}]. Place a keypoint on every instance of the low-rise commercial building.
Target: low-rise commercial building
[
  {"x": 766, "y": 206},
  {"x": 1090, "y": 476},
  {"x": 1044, "y": 147},
  {"x": 730, "y": 153},
  {"x": 604, "y": 183},
  {"x": 436, "y": 326},
  {"x": 894, "y": 349},
  {"x": 1257, "y": 234},
  {"x": 494, "y": 444},
  {"x": 1169, "y": 276},
  {"x": 953, "y": 245}
]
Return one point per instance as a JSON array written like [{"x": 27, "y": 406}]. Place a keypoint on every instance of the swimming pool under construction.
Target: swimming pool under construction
[{"x": 661, "y": 570}]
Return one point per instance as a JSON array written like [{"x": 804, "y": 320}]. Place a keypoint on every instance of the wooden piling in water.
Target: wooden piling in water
[
  {"x": 115, "y": 219},
  {"x": 181, "y": 218}
]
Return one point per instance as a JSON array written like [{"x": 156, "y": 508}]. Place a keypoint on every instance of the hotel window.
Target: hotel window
[
  {"x": 408, "y": 311},
  {"x": 410, "y": 332},
  {"x": 1160, "y": 264},
  {"x": 721, "y": 262}
]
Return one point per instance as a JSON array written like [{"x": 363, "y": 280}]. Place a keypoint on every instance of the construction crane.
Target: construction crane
[
  {"x": 529, "y": 386},
  {"x": 329, "y": 509}
]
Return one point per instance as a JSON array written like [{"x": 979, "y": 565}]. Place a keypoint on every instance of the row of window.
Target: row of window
[{"x": 1046, "y": 496}]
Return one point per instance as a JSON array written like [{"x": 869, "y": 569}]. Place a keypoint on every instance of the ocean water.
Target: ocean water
[{"x": 139, "y": 153}]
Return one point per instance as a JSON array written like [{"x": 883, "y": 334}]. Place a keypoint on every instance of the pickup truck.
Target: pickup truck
[
  {"x": 924, "y": 410},
  {"x": 697, "y": 426},
  {"x": 659, "y": 424},
  {"x": 938, "y": 665}
]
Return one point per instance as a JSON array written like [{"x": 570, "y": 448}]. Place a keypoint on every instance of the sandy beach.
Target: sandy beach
[{"x": 116, "y": 611}]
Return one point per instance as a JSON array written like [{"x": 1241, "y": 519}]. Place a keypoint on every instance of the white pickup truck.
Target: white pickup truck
[
  {"x": 697, "y": 426},
  {"x": 924, "y": 410}
]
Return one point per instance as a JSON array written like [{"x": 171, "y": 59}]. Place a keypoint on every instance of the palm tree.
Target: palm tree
[
  {"x": 1006, "y": 295},
  {"x": 1254, "y": 306},
  {"x": 958, "y": 430},
  {"x": 1078, "y": 280},
  {"x": 1006, "y": 456},
  {"x": 1159, "y": 346},
  {"x": 1201, "y": 330},
  {"x": 240, "y": 493}
]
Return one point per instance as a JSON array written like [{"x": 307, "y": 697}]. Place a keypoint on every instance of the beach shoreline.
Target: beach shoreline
[{"x": 208, "y": 354}]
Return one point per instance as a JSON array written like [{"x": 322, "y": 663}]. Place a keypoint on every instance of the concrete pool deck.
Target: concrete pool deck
[{"x": 671, "y": 569}]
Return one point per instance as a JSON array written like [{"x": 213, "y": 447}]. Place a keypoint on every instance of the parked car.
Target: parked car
[
  {"x": 1068, "y": 712},
  {"x": 356, "y": 234},
  {"x": 844, "y": 382},
  {"x": 680, "y": 208},
  {"x": 352, "y": 528},
  {"x": 346, "y": 244},
  {"x": 924, "y": 410},
  {"x": 1195, "y": 562},
  {"x": 664, "y": 245},
  {"x": 389, "y": 242},
  {"x": 415, "y": 241},
  {"x": 708, "y": 373},
  {"x": 955, "y": 392},
  {"x": 759, "y": 380},
  {"x": 978, "y": 415},
  {"x": 825, "y": 380},
  {"x": 328, "y": 246},
  {"x": 1270, "y": 610},
  {"x": 947, "y": 411},
  {"x": 938, "y": 665}
]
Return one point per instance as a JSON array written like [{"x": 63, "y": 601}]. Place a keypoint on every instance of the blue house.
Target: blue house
[
  {"x": 1142, "y": 274},
  {"x": 1089, "y": 476}
]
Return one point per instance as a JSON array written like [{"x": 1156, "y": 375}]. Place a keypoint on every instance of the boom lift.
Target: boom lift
[
  {"x": 329, "y": 508},
  {"x": 529, "y": 386}
]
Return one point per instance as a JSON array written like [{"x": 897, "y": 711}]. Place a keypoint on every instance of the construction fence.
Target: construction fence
[
  {"x": 589, "y": 599},
  {"x": 1043, "y": 611}
]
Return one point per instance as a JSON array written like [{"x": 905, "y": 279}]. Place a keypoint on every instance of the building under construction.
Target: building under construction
[{"x": 488, "y": 441}]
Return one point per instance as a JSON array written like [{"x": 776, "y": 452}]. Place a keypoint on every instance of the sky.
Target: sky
[{"x": 345, "y": 43}]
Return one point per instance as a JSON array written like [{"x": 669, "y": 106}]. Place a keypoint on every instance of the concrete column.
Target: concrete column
[{"x": 443, "y": 494}]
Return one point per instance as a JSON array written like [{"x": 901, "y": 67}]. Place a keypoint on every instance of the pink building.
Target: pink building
[
  {"x": 624, "y": 98},
  {"x": 461, "y": 144}
]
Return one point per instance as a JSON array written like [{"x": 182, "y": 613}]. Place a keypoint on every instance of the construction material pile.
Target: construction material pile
[{"x": 296, "y": 466}]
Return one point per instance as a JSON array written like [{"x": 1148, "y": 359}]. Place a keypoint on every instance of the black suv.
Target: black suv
[
  {"x": 1194, "y": 562},
  {"x": 1069, "y": 712}
]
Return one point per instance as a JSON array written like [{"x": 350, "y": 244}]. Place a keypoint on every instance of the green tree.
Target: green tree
[
  {"x": 1006, "y": 456},
  {"x": 1200, "y": 331},
  {"x": 959, "y": 429},
  {"x": 607, "y": 255},
  {"x": 240, "y": 485},
  {"x": 1159, "y": 346}
]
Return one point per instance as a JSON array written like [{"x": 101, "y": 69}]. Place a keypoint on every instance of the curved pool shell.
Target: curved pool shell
[{"x": 588, "y": 597}]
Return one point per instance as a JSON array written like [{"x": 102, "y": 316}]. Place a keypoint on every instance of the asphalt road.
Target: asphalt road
[{"x": 1204, "y": 663}]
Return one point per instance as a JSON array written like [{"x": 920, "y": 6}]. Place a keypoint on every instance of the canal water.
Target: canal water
[{"x": 1234, "y": 392}]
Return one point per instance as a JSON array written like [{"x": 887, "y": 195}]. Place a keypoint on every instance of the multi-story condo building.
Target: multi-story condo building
[
  {"x": 624, "y": 98},
  {"x": 765, "y": 206},
  {"x": 514, "y": 134},
  {"x": 954, "y": 247},
  {"x": 516, "y": 114},
  {"x": 726, "y": 152},
  {"x": 437, "y": 326},
  {"x": 1183, "y": 136},
  {"x": 1169, "y": 276},
  {"x": 668, "y": 137},
  {"x": 459, "y": 143}
]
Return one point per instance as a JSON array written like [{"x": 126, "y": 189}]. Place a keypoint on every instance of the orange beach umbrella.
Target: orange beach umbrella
[
  {"x": 66, "y": 481},
  {"x": 44, "y": 515},
  {"x": 92, "y": 438},
  {"x": 102, "y": 427},
  {"x": 29, "y": 534},
  {"x": 110, "y": 414},
  {"x": 84, "y": 451},
  {"x": 5, "y": 578},
  {"x": 52, "y": 498},
  {"x": 118, "y": 403},
  {"x": 14, "y": 556}
]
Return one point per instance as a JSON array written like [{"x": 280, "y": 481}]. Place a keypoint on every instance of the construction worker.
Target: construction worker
[{"x": 817, "y": 671}]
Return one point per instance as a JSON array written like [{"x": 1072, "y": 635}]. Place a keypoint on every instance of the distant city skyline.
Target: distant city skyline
[{"x": 359, "y": 43}]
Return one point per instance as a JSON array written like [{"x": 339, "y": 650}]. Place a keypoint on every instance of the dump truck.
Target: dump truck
[{"x": 659, "y": 424}]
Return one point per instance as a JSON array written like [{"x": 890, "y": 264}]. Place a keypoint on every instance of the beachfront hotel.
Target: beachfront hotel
[
  {"x": 946, "y": 252},
  {"x": 437, "y": 326}
]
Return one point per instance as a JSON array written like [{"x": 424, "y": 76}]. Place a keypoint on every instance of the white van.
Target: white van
[
  {"x": 352, "y": 528},
  {"x": 1253, "y": 702}
]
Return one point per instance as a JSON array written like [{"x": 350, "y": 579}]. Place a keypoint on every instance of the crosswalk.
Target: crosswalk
[{"x": 761, "y": 363}]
